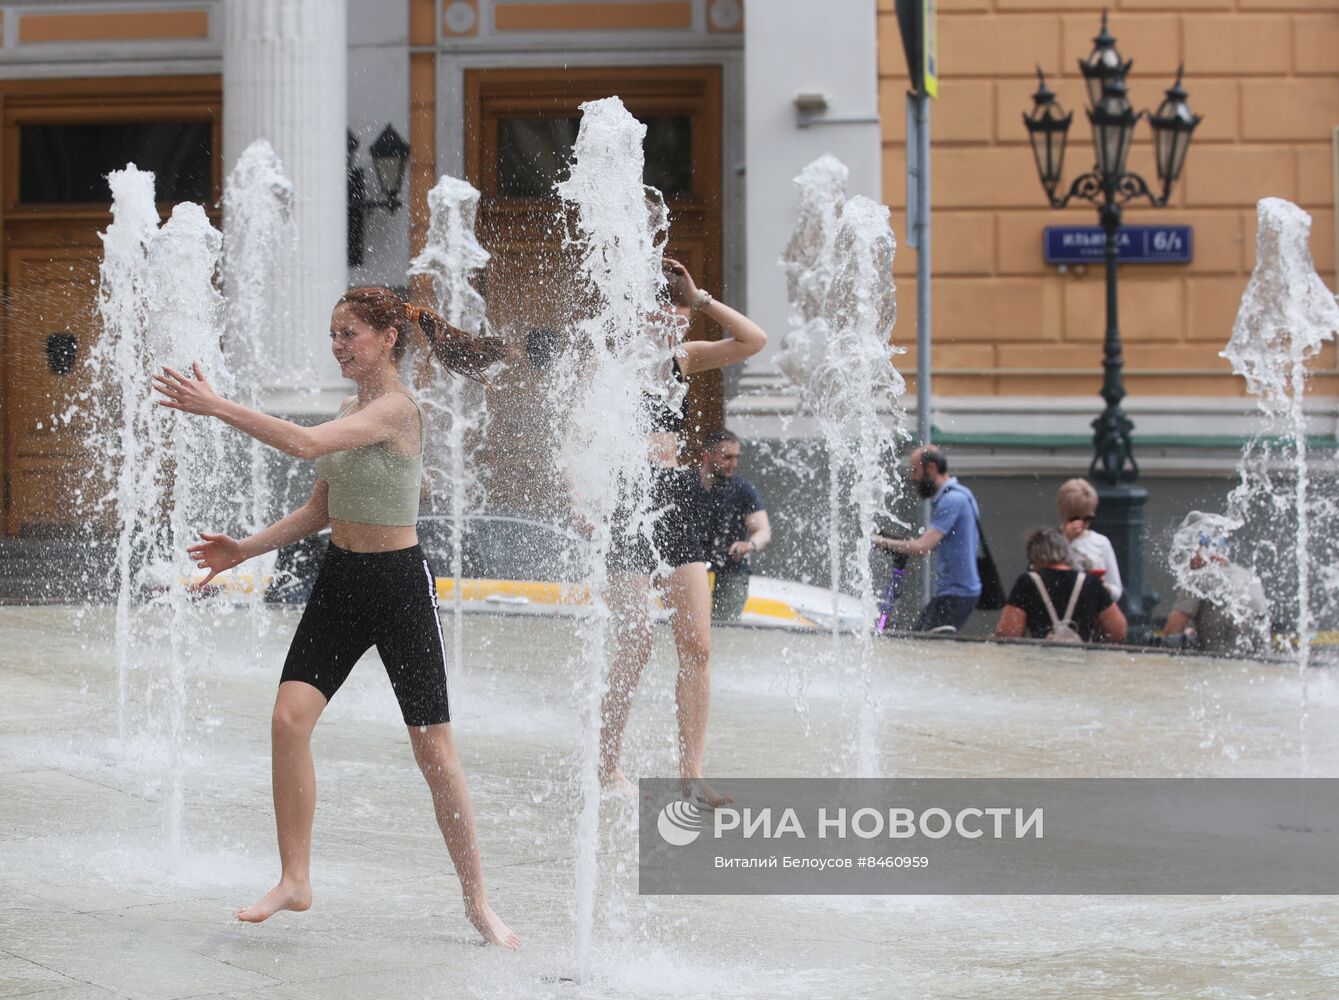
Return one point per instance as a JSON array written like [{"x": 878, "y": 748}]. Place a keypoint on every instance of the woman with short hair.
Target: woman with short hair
[
  {"x": 1076, "y": 500},
  {"x": 1054, "y": 600}
]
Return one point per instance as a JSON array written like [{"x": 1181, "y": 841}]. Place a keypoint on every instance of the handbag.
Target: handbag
[{"x": 992, "y": 587}]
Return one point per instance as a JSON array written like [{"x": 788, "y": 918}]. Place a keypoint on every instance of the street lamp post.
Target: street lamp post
[{"x": 1109, "y": 186}]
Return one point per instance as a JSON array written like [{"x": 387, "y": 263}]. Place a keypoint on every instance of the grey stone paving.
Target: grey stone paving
[{"x": 95, "y": 904}]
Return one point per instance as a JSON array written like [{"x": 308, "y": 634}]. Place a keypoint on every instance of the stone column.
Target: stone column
[{"x": 285, "y": 80}]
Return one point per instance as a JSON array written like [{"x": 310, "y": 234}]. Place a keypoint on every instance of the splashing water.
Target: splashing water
[
  {"x": 451, "y": 256},
  {"x": 119, "y": 369},
  {"x": 1287, "y": 315},
  {"x": 621, "y": 353},
  {"x": 808, "y": 263},
  {"x": 839, "y": 266},
  {"x": 1200, "y": 558},
  {"x": 159, "y": 307},
  {"x": 185, "y": 325},
  {"x": 257, "y": 232}
]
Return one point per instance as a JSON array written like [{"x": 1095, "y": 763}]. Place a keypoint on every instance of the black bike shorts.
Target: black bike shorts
[
  {"x": 672, "y": 532},
  {"x": 382, "y": 599}
]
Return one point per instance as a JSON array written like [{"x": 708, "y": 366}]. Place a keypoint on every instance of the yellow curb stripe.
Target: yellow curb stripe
[{"x": 542, "y": 593}]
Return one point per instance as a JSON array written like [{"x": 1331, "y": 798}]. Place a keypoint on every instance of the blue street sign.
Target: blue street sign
[{"x": 1138, "y": 244}]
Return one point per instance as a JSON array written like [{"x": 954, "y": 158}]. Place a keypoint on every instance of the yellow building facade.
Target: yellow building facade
[
  {"x": 1017, "y": 343},
  {"x": 1264, "y": 74}
]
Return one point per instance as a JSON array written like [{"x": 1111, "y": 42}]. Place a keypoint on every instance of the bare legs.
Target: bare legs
[
  {"x": 436, "y": 754},
  {"x": 630, "y": 614},
  {"x": 687, "y": 592},
  {"x": 296, "y": 709}
]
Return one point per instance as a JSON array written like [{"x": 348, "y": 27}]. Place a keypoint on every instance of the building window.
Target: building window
[
  {"x": 669, "y": 155},
  {"x": 533, "y": 153},
  {"x": 68, "y": 164}
]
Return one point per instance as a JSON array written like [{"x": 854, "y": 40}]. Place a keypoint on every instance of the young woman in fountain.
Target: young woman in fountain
[
  {"x": 375, "y": 586},
  {"x": 678, "y": 544}
]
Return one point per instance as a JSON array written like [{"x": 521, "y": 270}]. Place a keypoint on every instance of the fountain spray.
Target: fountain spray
[
  {"x": 117, "y": 366},
  {"x": 185, "y": 326},
  {"x": 1287, "y": 315},
  {"x": 159, "y": 306},
  {"x": 839, "y": 267},
  {"x": 451, "y": 256},
  {"x": 621, "y": 354},
  {"x": 257, "y": 232}
]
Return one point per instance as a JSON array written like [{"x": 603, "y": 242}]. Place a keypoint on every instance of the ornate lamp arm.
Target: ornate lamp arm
[
  {"x": 1131, "y": 186},
  {"x": 1086, "y": 186},
  {"x": 1125, "y": 188}
]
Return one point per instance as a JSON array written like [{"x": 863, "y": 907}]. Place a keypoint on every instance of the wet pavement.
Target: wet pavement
[{"x": 97, "y": 902}]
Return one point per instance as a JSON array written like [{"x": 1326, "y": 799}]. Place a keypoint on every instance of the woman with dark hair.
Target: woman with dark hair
[
  {"x": 375, "y": 587},
  {"x": 1052, "y": 583},
  {"x": 677, "y": 548}
]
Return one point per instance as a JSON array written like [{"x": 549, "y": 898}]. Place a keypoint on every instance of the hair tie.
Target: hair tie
[{"x": 412, "y": 311}]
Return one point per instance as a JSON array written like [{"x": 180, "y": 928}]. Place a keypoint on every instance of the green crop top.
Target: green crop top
[{"x": 372, "y": 485}]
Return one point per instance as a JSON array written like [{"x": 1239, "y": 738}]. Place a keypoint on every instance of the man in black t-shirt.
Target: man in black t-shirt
[
  {"x": 735, "y": 521},
  {"x": 1096, "y": 616}
]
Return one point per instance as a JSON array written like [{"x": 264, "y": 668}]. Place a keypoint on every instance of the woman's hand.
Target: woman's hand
[
  {"x": 192, "y": 395},
  {"x": 216, "y": 554},
  {"x": 682, "y": 290}
]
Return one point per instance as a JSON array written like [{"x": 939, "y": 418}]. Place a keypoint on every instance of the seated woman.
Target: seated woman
[
  {"x": 1053, "y": 595},
  {"x": 1076, "y": 500}
]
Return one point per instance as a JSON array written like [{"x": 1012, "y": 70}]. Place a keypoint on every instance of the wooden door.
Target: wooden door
[
  {"x": 51, "y": 324},
  {"x": 59, "y": 139},
  {"x": 519, "y": 128}
]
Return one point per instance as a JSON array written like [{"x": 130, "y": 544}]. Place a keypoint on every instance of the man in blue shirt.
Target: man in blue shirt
[
  {"x": 952, "y": 536},
  {"x": 736, "y": 523}
]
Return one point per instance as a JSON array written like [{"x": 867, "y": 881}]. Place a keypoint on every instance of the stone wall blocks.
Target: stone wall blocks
[
  {"x": 1228, "y": 176},
  {"x": 1315, "y": 173},
  {"x": 1316, "y": 43},
  {"x": 992, "y": 46},
  {"x": 1241, "y": 45},
  {"x": 1211, "y": 308},
  {"x": 1294, "y": 109}
]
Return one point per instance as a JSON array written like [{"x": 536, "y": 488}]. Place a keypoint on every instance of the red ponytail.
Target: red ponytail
[{"x": 456, "y": 350}]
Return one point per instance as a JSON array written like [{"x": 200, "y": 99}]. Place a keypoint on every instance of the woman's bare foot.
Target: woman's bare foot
[
  {"x": 698, "y": 792},
  {"x": 287, "y": 895},
  {"x": 616, "y": 784},
  {"x": 491, "y": 926}
]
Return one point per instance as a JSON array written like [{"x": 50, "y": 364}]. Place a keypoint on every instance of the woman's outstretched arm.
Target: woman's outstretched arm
[
  {"x": 380, "y": 420},
  {"x": 217, "y": 553},
  {"x": 746, "y": 338}
]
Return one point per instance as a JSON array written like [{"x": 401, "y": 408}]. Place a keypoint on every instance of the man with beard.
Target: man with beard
[
  {"x": 952, "y": 535},
  {"x": 737, "y": 525}
]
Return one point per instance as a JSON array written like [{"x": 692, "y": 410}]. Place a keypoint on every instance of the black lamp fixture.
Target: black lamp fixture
[
  {"x": 1103, "y": 65},
  {"x": 390, "y": 155},
  {"x": 1172, "y": 126},
  {"x": 1109, "y": 186},
  {"x": 1112, "y": 121},
  {"x": 1048, "y": 127}
]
